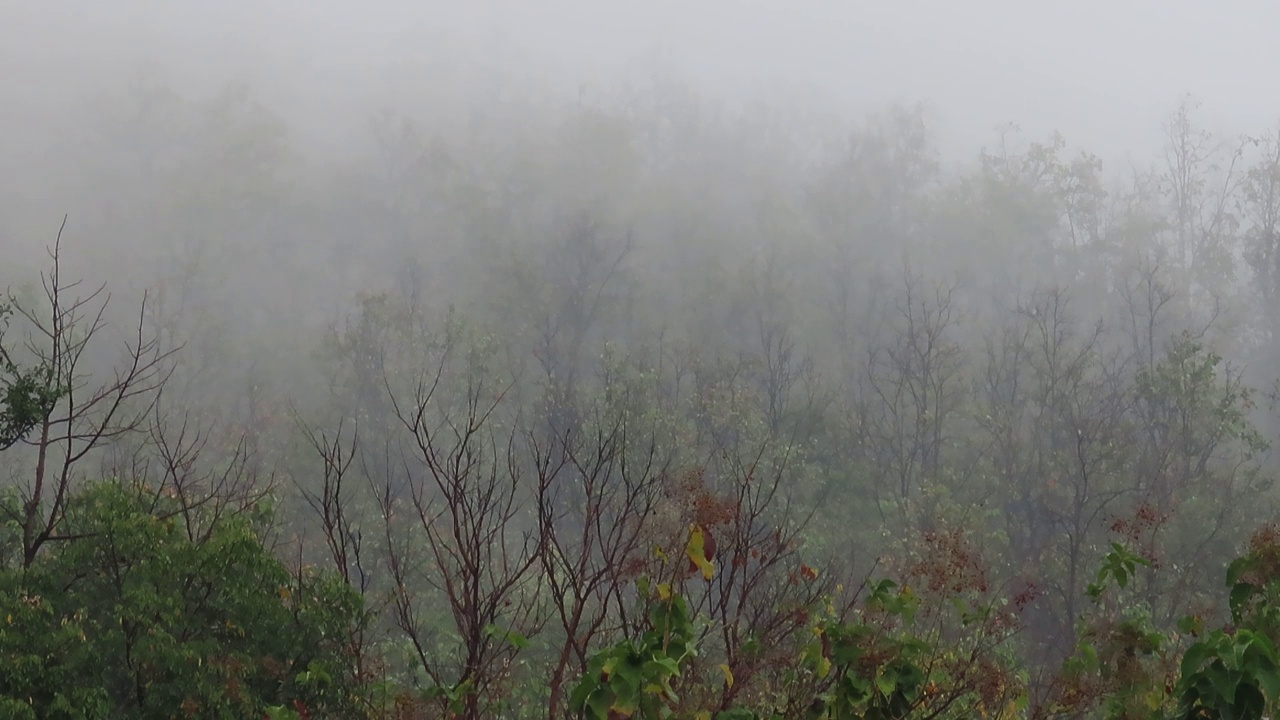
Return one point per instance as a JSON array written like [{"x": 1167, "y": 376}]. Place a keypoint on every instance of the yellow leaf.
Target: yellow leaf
[
  {"x": 728, "y": 675},
  {"x": 824, "y": 667},
  {"x": 284, "y": 593},
  {"x": 9, "y": 619},
  {"x": 704, "y": 715},
  {"x": 697, "y": 552},
  {"x": 664, "y": 591},
  {"x": 658, "y": 553}
]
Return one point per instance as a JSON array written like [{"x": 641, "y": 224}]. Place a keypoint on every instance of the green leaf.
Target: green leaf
[
  {"x": 598, "y": 704},
  {"x": 582, "y": 692},
  {"x": 1269, "y": 679},
  {"x": 887, "y": 681},
  {"x": 1237, "y": 568},
  {"x": 511, "y": 637},
  {"x": 664, "y": 665},
  {"x": 1240, "y": 594},
  {"x": 1224, "y": 682},
  {"x": 1195, "y": 657}
]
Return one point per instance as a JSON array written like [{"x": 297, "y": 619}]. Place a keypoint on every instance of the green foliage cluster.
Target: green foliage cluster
[
  {"x": 129, "y": 615},
  {"x": 633, "y": 678},
  {"x": 1233, "y": 673},
  {"x": 26, "y": 394},
  {"x": 880, "y": 671}
]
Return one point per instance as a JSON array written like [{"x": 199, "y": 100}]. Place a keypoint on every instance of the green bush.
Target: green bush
[{"x": 129, "y": 615}]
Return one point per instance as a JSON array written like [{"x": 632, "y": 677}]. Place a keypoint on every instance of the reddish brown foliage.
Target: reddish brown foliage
[{"x": 949, "y": 564}]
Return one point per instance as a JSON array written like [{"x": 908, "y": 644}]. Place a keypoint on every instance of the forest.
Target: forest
[{"x": 634, "y": 403}]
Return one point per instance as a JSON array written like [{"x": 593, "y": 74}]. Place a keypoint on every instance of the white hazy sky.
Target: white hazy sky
[{"x": 1104, "y": 72}]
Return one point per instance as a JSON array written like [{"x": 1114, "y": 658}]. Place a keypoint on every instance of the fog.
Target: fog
[
  {"x": 1102, "y": 73},
  {"x": 967, "y": 295}
]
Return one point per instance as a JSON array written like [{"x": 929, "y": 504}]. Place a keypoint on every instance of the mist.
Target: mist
[{"x": 909, "y": 326}]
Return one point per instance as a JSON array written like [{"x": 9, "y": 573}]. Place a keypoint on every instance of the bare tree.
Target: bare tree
[
  {"x": 468, "y": 508},
  {"x": 1053, "y": 411},
  {"x": 1203, "y": 178},
  {"x": 207, "y": 489},
  {"x": 582, "y": 273},
  {"x": 760, "y": 600},
  {"x": 1260, "y": 208},
  {"x": 593, "y": 549},
  {"x": 335, "y": 504},
  {"x": 90, "y": 412},
  {"x": 911, "y": 388}
]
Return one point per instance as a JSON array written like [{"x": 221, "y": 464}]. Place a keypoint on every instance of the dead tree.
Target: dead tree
[
  {"x": 466, "y": 506},
  {"x": 591, "y": 552},
  {"x": 912, "y": 386},
  {"x": 334, "y": 503},
  {"x": 90, "y": 411},
  {"x": 762, "y": 594}
]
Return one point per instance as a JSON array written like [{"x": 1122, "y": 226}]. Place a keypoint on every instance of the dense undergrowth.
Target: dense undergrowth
[{"x": 148, "y": 608}]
